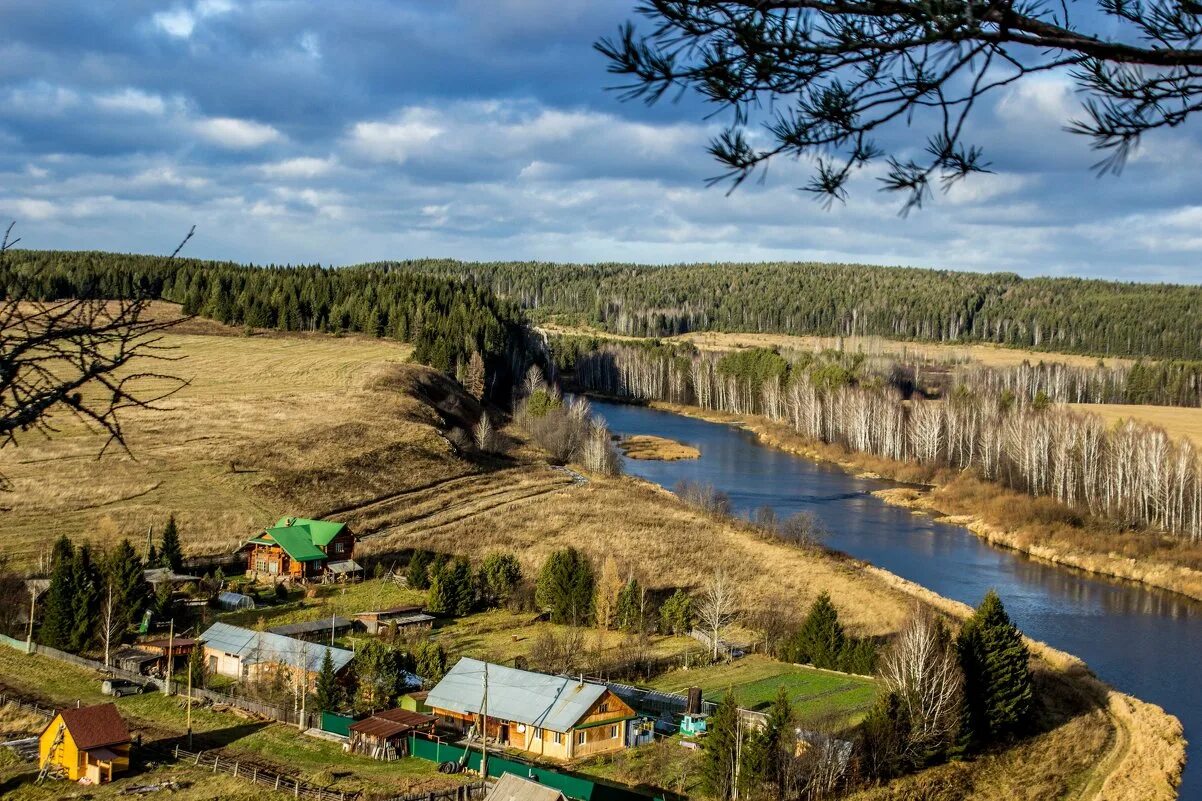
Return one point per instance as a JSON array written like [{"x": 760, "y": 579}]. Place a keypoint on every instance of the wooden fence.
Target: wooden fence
[
  {"x": 252, "y": 773},
  {"x": 464, "y": 792},
  {"x": 26, "y": 705}
]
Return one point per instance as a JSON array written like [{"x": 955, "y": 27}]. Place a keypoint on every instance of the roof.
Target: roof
[
  {"x": 175, "y": 644},
  {"x": 511, "y": 787},
  {"x": 345, "y": 566},
  {"x": 235, "y": 599},
  {"x": 551, "y": 702},
  {"x": 310, "y": 626},
  {"x": 95, "y": 726},
  {"x": 391, "y": 723},
  {"x": 396, "y": 610},
  {"x": 321, "y": 531},
  {"x": 297, "y": 542},
  {"x": 157, "y": 575},
  {"x": 262, "y": 647}
]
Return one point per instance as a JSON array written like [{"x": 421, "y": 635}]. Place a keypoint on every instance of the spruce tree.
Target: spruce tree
[
  {"x": 676, "y": 615},
  {"x": 720, "y": 749},
  {"x": 85, "y": 604},
  {"x": 778, "y": 737},
  {"x": 565, "y": 587},
  {"x": 998, "y": 687},
  {"x": 123, "y": 568},
  {"x": 629, "y": 613},
  {"x": 329, "y": 693},
  {"x": 821, "y": 640},
  {"x": 171, "y": 555},
  {"x": 58, "y": 606},
  {"x": 430, "y": 661},
  {"x": 196, "y": 667},
  {"x": 417, "y": 575},
  {"x": 453, "y": 589},
  {"x": 500, "y": 575}
]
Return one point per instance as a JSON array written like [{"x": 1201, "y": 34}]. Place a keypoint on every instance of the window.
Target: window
[
  {"x": 604, "y": 707},
  {"x": 613, "y": 732},
  {"x": 558, "y": 738},
  {"x": 581, "y": 736}
]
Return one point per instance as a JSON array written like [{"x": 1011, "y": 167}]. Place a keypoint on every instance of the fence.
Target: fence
[
  {"x": 26, "y": 705},
  {"x": 252, "y": 773},
  {"x": 283, "y": 714},
  {"x": 657, "y": 703}
]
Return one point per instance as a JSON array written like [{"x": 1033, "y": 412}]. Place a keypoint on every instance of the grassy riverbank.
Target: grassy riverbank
[
  {"x": 1039, "y": 527},
  {"x": 646, "y": 446}
]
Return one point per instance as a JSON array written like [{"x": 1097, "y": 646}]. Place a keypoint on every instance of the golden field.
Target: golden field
[{"x": 1177, "y": 421}]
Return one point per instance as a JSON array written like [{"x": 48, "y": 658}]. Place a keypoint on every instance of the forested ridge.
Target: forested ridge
[
  {"x": 446, "y": 320},
  {"x": 1074, "y": 315}
]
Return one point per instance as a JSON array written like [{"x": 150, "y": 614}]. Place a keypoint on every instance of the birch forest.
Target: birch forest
[{"x": 1134, "y": 475}]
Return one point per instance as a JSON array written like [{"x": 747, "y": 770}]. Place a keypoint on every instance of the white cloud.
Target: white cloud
[
  {"x": 131, "y": 100},
  {"x": 303, "y": 167},
  {"x": 181, "y": 21},
  {"x": 395, "y": 141},
  {"x": 235, "y": 134},
  {"x": 30, "y": 209}
]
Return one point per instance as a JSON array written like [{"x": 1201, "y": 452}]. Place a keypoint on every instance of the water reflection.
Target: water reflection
[{"x": 1144, "y": 641}]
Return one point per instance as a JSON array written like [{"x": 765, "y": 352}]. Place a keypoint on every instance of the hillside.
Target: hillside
[{"x": 1099, "y": 318}]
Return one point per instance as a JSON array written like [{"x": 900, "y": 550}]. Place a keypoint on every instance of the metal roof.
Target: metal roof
[
  {"x": 320, "y": 531},
  {"x": 345, "y": 566},
  {"x": 297, "y": 542},
  {"x": 391, "y": 723},
  {"x": 511, "y": 787},
  {"x": 550, "y": 702},
  {"x": 261, "y": 647},
  {"x": 309, "y": 626}
]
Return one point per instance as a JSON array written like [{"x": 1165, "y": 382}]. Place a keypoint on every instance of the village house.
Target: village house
[
  {"x": 248, "y": 654},
  {"x": 404, "y": 618},
  {"x": 385, "y": 735},
  {"x": 302, "y": 550},
  {"x": 87, "y": 742},
  {"x": 511, "y": 787},
  {"x": 545, "y": 716}
]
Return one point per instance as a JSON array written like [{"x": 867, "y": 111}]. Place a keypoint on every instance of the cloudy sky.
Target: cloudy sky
[{"x": 482, "y": 129}]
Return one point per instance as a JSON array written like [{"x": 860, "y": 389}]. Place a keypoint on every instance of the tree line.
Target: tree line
[
  {"x": 1074, "y": 315},
  {"x": 445, "y": 319},
  {"x": 1164, "y": 383},
  {"x": 1133, "y": 474}
]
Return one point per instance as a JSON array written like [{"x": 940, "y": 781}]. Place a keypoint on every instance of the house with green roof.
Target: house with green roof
[{"x": 302, "y": 549}]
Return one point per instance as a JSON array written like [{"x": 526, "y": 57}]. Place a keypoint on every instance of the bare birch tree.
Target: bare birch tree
[{"x": 717, "y": 608}]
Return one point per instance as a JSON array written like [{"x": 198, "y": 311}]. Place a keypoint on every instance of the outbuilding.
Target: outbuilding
[
  {"x": 385, "y": 734},
  {"x": 86, "y": 742}
]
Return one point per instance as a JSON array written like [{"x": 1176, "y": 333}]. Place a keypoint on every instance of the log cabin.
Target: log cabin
[
  {"x": 302, "y": 550},
  {"x": 552, "y": 717}
]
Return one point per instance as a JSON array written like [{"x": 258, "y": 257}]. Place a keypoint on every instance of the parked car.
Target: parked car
[{"x": 120, "y": 687}]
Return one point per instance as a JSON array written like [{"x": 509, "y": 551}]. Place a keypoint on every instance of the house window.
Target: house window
[
  {"x": 604, "y": 707},
  {"x": 261, "y": 565},
  {"x": 613, "y": 732},
  {"x": 581, "y": 737},
  {"x": 558, "y": 738},
  {"x": 338, "y": 547}
]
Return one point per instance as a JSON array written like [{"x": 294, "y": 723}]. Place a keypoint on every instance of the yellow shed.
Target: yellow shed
[{"x": 88, "y": 742}]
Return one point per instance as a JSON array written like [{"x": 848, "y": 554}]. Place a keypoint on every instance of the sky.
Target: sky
[{"x": 301, "y": 132}]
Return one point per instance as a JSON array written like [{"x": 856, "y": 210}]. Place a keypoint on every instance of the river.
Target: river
[{"x": 1143, "y": 641}]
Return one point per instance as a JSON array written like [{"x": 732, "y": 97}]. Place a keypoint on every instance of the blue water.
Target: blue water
[{"x": 1145, "y": 642}]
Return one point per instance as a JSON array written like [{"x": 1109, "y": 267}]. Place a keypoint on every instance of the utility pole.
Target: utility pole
[
  {"x": 170, "y": 654},
  {"x": 738, "y": 751},
  {"x": 331, "y": 629},
  {"x": 484, "y": 731},
  {"x": 194, "y": 646},
  {"x": 33, "y": 601}
]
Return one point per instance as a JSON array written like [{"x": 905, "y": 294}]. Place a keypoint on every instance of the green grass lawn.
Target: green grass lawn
[
  {"x": 319, "y": 761},
  {"x": 818, "y": 695}
]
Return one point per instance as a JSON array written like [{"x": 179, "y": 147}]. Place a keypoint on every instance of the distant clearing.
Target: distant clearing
[
  {"x": 1177, "y": 421},
  {"x": 647, "y": 446}
]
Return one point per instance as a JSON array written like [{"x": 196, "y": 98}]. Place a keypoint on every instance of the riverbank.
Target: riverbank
[
  {"x": 1044, "y": 531},
  {"x": 660, "y": 449}
]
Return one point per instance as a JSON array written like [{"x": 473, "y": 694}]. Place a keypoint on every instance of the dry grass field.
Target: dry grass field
[
  {"x": 1177, "y": 421},
  {"x": 645, "y": 446},
  {"x": 268, "y": 425}
]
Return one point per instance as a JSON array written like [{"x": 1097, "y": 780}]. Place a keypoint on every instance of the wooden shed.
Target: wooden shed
[
  {"x": 384, "y": 735},
  {"x": 90, "y": 741},
  {"x": 403, "y": 617}
]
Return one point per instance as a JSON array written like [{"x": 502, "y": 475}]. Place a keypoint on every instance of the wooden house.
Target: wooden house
[
  {"x": 402, "y": 617},
  {"x": 301, "y": 549},
  {"x": 555, "y": 717},
  {"x": 385, "y": 734},
  {"x": 248, "y": 654},
  {"x": 87, "y": 742},
  {"x": 511, "y": 787}
]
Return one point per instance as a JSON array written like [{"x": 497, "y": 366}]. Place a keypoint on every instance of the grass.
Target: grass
[
  {"x": 266, "y": 742},
  {"x": 343, "y": 601},
  {"x": 1177, "y": 421},
  {"x": 269, "y": 425},
  {"x": 817, "y": 695},
  {"x": 644, "y": 446},
  {"x": 17, "y": 783}
]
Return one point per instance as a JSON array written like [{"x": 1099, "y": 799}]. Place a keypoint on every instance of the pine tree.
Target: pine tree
[
  {"x": 997, "y": 676},
  {"x": 778, "y": 741},
  {"x": 676, "y": 615},
  {"x": 171, "y": 555},
  {"x": 430, "y": 661},
  {"x": 821, "y": 640},
  {"x": 452, "y": 589},
  {"x": 417, "y": 575},
  {"x": 720, "y": 749},
  {"x": 565, "y": 587},
  {"x": 85, "y": 604},
  {"x": 500, "y": 574},
  {"x": 329, "y": 693},
  {"x": 123, "y": 568},
  {"x": 629, "y": 612},
  {"x": 58, "y": 607}
]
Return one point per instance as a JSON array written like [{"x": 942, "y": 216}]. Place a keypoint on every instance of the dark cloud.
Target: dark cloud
[{"x": 341, "y": 132}]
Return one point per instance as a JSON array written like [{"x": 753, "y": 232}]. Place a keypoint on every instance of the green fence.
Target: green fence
[
  {"x": 576, "y": 787},
  {"x": 336, "y": 724}
]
